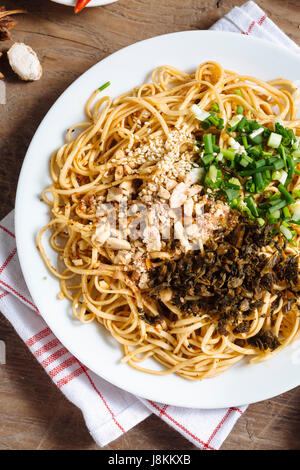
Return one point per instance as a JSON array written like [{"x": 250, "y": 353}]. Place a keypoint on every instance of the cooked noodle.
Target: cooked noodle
[{"x": 86, "y": 167}]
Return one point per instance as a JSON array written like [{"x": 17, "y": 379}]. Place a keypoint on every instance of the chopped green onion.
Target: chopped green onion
[
  {"x": 279, "y": 175},
  {"x": 268, "y": 175},
  {"x": 232, "y": 194},
  {"x": 221, "y": 124},
  {"x": 235, "y": 181},
  {"x": 228, "y": 153},
  {"x": 296, "y": 154},
  {"x": 241, "y": 124},
  {"x": 256, "y": 152},
  {"x": 212, "y": 184},
  {"x": 205, "y": 124},
  {"x": 213, "y": 173},
  {"x": 247, "y": 156},
  {"x": 296, "y": 210},
  {"x": 105, "y": 85},
  {"x": 286, "y": 213},
  {"x": 268, "y": 154},
  {"x": 276, "y": 175},
  {"x": 256, "y": 170},
  {"x": 240, "y": 109},
  {"x": 276, "y": 214},
  {"x": 295, "y": 144},
  {"x": 258, "y": 139},
  {"x": 254, "y": 125},
  {"x": 244, "y": 162},
  {"x": 207, "y": 159},
  {"x": 287, "y": 196},
  {"x": 215, "y": 108},
  {"x": 274, "y": 200},
  {"x": 256, "y": 136},
  {"x": 279, "y": 205},
  {"x": 227, "y": 185},
  {"x": 286, "y": 232},
  {"x": 234, "y": 143},
  {"x": 245, "y": 141},
  {"x": 274, "y": 140},
  {"x": 208, "y": 143},
  {"x": 274, "y": 218},
  {"x": 214, "y": 120},
  {"x": 243, "y": 207},
  {"x": 279, "y": 164},
  {"x": 238, "y": 92},
  {"x": 260, "y": 163},
  {"x": 251, "y": 205},
  {"x": 235, "y": 120},
  {"x": 249, "y": 159},
  {"x": 243, "y": 155},
  {"x": 277, "y": 121},
  {"x": 198, "y": 113},
  {"x": 291, "y": 169},
  {"x": 259, "y": 182},
  {"x": 282, "y": 153},
  {"x": 256, "y": 133},
  {"x": 260, "y": 221},
  {"x": 250, "y": 186}
]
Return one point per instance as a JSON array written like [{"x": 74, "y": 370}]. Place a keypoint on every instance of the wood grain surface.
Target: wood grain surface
[{"x": 33, "y": 413}]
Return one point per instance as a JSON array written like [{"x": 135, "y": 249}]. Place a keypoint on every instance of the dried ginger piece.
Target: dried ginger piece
[
  {"x": 6, "y": 22},
  {"x": 1, "y": 74}
]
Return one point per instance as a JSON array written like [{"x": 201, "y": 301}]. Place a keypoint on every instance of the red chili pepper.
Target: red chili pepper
[{"x": 80, "y": 5}]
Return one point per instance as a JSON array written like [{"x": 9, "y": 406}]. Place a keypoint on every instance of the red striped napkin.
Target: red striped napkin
[
  {"x": 108, "y": 411},
  {"x": 250, "y": 19}
]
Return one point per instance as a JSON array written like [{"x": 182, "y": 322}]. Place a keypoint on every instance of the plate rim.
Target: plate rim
[
  {"x": 99, "y": 3},
  {"x": 151, "y": 395}
]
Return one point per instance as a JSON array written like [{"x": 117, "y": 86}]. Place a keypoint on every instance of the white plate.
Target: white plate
[
  {"x": 91, "y": 344},
  {"x": 93, "y": 3}
]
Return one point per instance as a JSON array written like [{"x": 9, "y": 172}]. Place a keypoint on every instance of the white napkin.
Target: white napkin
[
  {"x": 250, "y": 19},
  {"x": 108, "y": 411}
]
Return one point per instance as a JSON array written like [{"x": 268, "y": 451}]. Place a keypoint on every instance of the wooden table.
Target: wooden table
[{"x": 33, "y": 413}]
